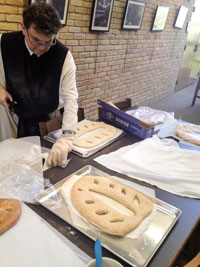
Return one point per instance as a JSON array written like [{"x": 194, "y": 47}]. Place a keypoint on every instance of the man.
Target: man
[{"x": 36, "y": 71}]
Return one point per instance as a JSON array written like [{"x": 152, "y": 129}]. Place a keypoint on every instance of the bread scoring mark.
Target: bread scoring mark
[
  {"x": 111, "y": 185},
  {"x": 136, "y": 200},
  {"x": 123, "y": 191},
  {"x": 101, "y": 212},
  {"x": 8, "y": 209},
  {"x": 97, "y": 137},
  {"x": 79, "y": 189},
  {"x": 117, "y": 220},
  {"x": 89, "y": 201},
  {"x": 96, "y": 181}
]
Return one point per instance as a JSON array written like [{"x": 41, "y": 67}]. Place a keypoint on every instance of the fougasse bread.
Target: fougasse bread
[
  {"x": 10, "y": 211},
  {"x": 189, "y": 132},
  {"x": 97, "y": 212},
  {"x": 103, "y": 132}
]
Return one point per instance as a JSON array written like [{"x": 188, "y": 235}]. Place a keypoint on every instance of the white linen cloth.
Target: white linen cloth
[
  {"x": 158, "y": 162},
  {"x": 33, "y": 242}
]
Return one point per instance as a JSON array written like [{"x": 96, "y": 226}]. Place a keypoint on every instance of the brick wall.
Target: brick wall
[{"x": 142, "y": 65}]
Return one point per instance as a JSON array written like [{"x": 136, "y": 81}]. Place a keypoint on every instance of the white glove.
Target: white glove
[{"x": 60, "y": 150}]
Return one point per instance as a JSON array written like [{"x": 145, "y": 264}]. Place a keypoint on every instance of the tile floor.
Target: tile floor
[{"x": 180, "y": 103}]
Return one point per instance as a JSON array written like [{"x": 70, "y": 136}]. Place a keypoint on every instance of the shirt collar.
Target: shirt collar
[{"x": 29, "y": 50}]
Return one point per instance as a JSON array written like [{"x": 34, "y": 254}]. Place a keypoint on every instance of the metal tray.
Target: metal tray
[
  {"x": 136, "y": 252},
  {"x": 87, "y": 152}
]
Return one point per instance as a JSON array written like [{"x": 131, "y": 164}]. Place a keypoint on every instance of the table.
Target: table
[{"x": 190, "y": 208}]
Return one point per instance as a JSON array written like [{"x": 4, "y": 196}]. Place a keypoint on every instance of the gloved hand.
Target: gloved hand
[{"x": 60, "y": 150}]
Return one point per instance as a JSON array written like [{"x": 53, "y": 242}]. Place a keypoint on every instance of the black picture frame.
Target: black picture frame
[
  {"x": 133, "y": 15},
  {"x": 160, "y": 18},
  {"x": 181, "y": 16},
  {"x": 60, "y": 5},
  {"x": 101, "y": 15}
]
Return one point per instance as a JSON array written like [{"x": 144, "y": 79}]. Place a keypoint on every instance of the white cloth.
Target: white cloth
[
  {"x": 158, "y": 162},
  {"x": 33, "y": 242},
  {"x": 68, "y": 94}
]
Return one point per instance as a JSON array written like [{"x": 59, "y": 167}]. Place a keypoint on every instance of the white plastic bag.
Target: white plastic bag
[{"x": 21, "y": 174}]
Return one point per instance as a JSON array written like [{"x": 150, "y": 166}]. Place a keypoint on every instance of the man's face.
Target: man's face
[{"x": 37, "y": 42}]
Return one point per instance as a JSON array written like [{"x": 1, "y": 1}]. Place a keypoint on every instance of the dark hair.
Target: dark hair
[{"x": 44, "y": 17}]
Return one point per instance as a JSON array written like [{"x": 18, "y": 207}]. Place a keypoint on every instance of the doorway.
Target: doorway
[{"x": 190, "y": 66}]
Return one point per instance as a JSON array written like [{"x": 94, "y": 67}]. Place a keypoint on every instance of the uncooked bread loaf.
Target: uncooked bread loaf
[
  {"x": 104, "y": 216},
  {"x": 102, "y": 132}
]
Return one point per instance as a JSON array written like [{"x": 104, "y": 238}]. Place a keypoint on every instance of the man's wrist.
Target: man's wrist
[{"x": 67, "y": 132}]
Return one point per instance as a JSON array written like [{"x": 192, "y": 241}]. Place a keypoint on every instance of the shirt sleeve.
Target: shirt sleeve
[
  {"x": 2, "y": 74},
  {"x": 69, "y": 94}
]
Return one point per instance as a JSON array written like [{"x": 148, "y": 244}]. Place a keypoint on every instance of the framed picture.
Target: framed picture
[
  {"x": 160, "y": 18},
  {"x": 133, "y": 15},
  {"x": 180, "y": 19},
  {"x": 101, "y": 15},
  {"x": 60, "y": 5}
]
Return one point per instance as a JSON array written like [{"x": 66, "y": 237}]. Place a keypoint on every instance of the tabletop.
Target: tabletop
[{"x": 190, "y": 207}]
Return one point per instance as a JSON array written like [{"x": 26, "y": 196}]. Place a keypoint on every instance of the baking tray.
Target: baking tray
[
  {"x": 85, "y": 153},
  {"x": 136, "y": 252}
]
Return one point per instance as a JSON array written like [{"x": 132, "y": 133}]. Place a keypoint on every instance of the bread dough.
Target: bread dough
[
  {"x": 10, "y": 211},
  {"x": 189, "y": 132},
  {"x": 107, "y": 218},
  {"x": 103, "y": 133}
]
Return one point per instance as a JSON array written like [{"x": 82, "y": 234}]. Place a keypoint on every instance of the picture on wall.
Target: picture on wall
[
  {"x": 133, "y": 15},
  {"x": 182, "y": 13},
  {"x": 160, "y": 18},
  {"x": 60, "y": 5},
  {"x": 101, "y": 15}
]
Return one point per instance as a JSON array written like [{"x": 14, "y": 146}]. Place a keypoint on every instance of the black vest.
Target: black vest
[{"x": 32, "y": 81}]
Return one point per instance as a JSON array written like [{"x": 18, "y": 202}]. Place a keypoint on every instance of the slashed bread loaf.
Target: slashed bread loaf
[
  {"x": 189, "y": 132},
  {"x": 98, "y": 133},
  {"x": 10, "y": 211},
  {"x": 97, "y": 212}
]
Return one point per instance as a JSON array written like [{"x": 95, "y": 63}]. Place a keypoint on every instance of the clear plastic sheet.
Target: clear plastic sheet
[
  {"x": 151, "y": 116},
  {"x": 21, "y": 173}
]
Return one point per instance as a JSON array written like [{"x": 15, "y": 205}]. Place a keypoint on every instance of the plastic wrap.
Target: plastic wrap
[
  {"x": 152, "y": 116},
  {"x": 189, "y": 132},
  {"x": 21, "y": 173}
]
